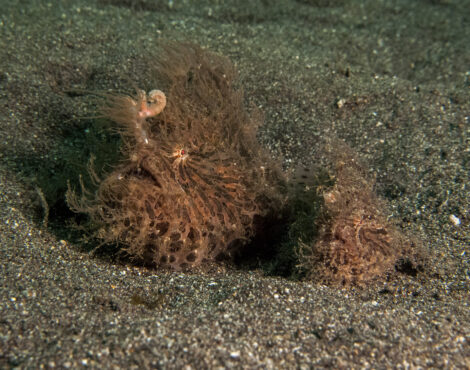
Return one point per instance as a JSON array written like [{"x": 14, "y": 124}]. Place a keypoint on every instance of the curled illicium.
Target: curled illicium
[
  {"x": 152, "y": 104},
  {"x": 131, "y": 113}
]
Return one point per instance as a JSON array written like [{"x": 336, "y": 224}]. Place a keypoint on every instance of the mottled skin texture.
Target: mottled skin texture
[
  {"x": 357, "y": 243},
  {"x": 194, "y": 180}
]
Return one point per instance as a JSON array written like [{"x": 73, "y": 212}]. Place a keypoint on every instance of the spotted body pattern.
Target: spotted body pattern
[{"x": 195, "y": 180}]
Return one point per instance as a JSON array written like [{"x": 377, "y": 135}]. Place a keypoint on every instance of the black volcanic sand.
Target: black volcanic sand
[{"x": 391, "y": 79}]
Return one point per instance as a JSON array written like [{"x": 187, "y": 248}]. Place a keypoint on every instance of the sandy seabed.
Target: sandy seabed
[{"x": 391, "y": 79}]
